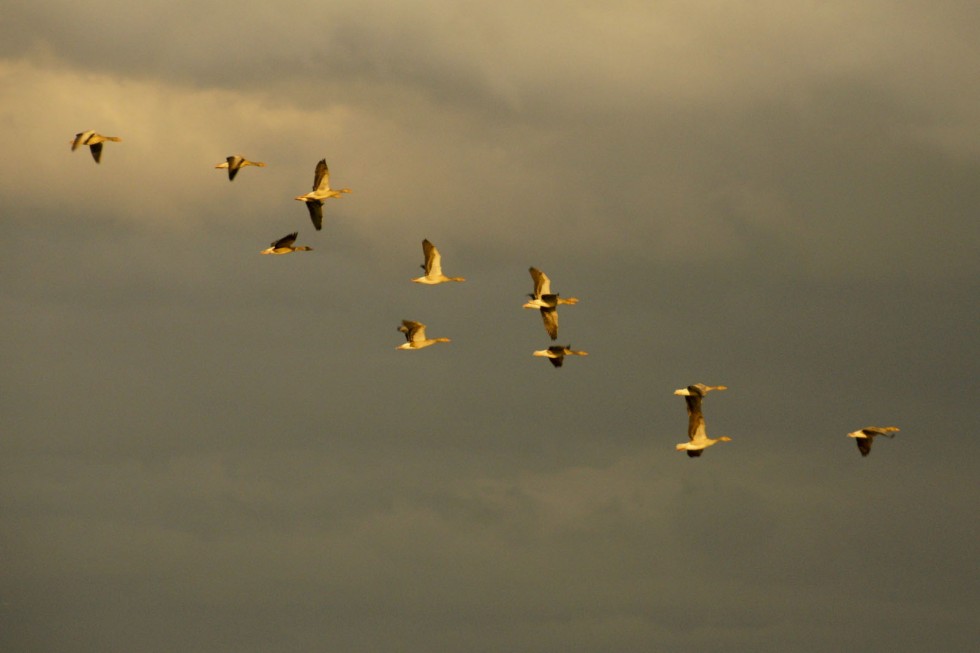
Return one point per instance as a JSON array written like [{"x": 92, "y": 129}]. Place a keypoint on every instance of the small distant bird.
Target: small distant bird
[
  {"x": 415, "y": 335},
  {"x": 234, "y": 163},
  {"x": 866, "y": 436},
  {"x": 285, "y": 246},
  {"x": 321, "y": 191},
  {"x": 542, "y": 298},
  {"x": 556, "y": 354},
  {"x": 696, "y": 431},
  {"x": 94, "y": 142},
  {"x": 433, "y": 266}
]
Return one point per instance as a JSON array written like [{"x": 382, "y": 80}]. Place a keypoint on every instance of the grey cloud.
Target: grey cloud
[{"x": 204, "y": 449}]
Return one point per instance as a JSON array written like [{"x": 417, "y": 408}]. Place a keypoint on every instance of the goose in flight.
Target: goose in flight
[
  {"x": 696, "y": 432},
  {"x": 556, "y": 354},
  {"x": 547, "y": 302},
  {"x": 866, "y": 436},
  {"x": 94, "y": 142},
  {"x": 415, "y": 335},
  {"x": 235, "y": 162},
  {"x": 321, "y": 191},
  {"x": 285, "y": 246},
  {"x": 433, "y": 266}
]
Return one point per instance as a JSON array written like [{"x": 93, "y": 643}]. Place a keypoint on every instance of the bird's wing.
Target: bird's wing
[
  {"x": 542, "y": 284},
  {"x": 864, "y": 445},
  {"x": 415, "y": 331},
  {"x": 407, "y": 326},
  {"x": 315, "y": 208},
  {"x": 550, "y": 318},
  {"x": 693, "y": 401},
  {"x": 234, "y": 164},
  {"x": 286, "y": 241},
  {"x": 556, "y": 354},
  {"x": 79, "y": 140},
  {"x": 321, "y": 178},
  {"x": 433, "y": 260},
  {"x": 96, "y": 151},
  {"x": 695, "y": 427}
]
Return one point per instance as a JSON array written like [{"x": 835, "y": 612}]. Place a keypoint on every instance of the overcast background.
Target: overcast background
[{"x": 208, "y": 450}]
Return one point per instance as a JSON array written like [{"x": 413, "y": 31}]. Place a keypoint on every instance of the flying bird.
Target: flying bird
[
  {"x": 696, "y": 432},
  {"x": 321, "y": 191},
  {"x": 433, "y": 266},
  {"x": 94, "y": 142},
  {"x": 415, "y": 336},
  {"x": 285, "y": 246},
  {"x": 234, "y": 163},
  {"x": 547, "y": 302},
  {"x": 866, "y": 436},
  {"x": 556, "y": 354}
]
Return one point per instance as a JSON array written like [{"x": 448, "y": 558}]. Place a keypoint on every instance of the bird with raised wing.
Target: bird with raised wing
[
  {"x": 415, "y": 336},
  {"x": 94, "y": 142},
  {"x": 547, "y": 302},
  {"x": 236, "y": 162},
  {"x": 864, "y": 437},
  {"x": 321, "y": 191},
  {"x": 285, "y": 246},
  {"x": 696, "y": 431},
  {"x": 433, "y": 266}
]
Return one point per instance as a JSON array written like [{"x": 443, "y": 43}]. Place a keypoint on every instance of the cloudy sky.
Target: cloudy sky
[{"x": 208, "y": 450}]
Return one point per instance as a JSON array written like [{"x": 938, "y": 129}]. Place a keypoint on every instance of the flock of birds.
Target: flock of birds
[{"x": 541, "y": 298}]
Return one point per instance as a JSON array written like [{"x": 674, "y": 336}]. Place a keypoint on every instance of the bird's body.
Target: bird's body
[
  {"x": 864, "y": 437},
  {"x": 285, "y": 246},
  {"x": 547, "y": 302},
  {"x": 415, "y": 336},
  {"x": 556, "y": 354},
  {"x": 94, "y": 142},
  {"x": 321, "y": 191},
  {"x": 433, "y": 266},
  {"x": 696, "y": 431},
  {"x": 235, "y": 163}
]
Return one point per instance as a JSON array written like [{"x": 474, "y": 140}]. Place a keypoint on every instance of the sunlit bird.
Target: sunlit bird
[
  {"x": 547, "y": 302},
  {"x": 556, "y": 354},
  {"x": 234, "y": 163},
  {"x": 865, "y": 436},
  {"x": 321, "y": 191},
  {"x": 433, "y": 266},
  {"x": 94, "y": 142},
  {"x": 696, "y": 431},
  {"x": 285, "y": 246},
  {"x": 415, "y": 336}
]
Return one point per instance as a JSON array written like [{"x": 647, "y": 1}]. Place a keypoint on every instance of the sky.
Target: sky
[{"x": 208, "y": 450}]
